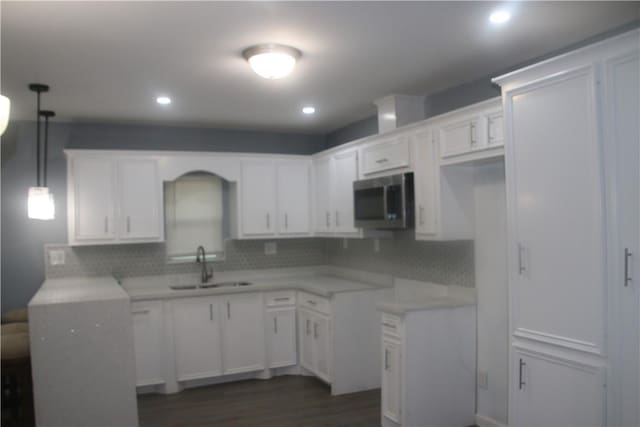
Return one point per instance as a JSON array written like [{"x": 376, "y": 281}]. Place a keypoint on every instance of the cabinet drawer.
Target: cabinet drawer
[
  {"x": 391, "y": 325},
  {"x": 279, "y": 298},
  {"x": 393, "y": 154},
  {"x": 314, "y": 302}
]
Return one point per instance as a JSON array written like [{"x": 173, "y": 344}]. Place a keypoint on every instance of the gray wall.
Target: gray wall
[{"x": 23, "y": 239}]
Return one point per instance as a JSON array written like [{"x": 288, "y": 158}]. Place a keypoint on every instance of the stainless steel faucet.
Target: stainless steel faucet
[{"x": 201, "y": 257}]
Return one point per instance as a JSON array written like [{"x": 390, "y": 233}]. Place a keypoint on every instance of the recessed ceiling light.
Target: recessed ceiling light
[
  {"x": 163, "y": 100},
  {"x": 499, "y": 17},
  {"x": 308, "y": 110},
  {"x": 272, "y": 61}
]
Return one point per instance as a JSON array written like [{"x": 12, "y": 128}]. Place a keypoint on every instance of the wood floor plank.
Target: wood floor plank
[{"x": 286, "y": 401}]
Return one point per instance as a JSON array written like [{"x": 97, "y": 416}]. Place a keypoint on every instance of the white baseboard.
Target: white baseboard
[{"x": 483, "y": 421}]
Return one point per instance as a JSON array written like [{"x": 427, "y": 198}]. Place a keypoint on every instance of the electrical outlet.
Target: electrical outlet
[
  {"x": 483, "y": 380},
  {"x": 56, "y": 257},
  {"x": 270, "y": 248},
  {"x": 345, "y": 244},
  {"x": 376, "y": 245}
]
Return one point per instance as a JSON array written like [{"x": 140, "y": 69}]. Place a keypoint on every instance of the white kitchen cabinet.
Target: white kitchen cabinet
[
  {"x": 444, "y": 198},
  {"x": 571, "y": 394},
  {"x": 428, "y": 367},
  {"x": 280, "y": 329},
  {"x": 197, "y": 338},
  {"x": 470, "y": 134},
  {"x": 281, "y": 336},
  {"x": 140, "y": 199},
  {"x": 113, "y": 199},
  {"x": 566, "y": 257},
  {"x": 315, "y": 343},
  {"x": 334, "y": 177},
  {"x": 148, "y": 335},
  {"x": 294, "y": 201},
  {"x": 391, "y": 379},
  {"x": 92, "y": 214},
  {"x": 243, "y": 346},
  {"x": 259, "y": 198},
  {"x": 391, "y": 155},
  {"x": 275, "y": 198}
]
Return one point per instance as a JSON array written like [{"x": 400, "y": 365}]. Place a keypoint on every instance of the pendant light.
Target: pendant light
[
  {"x": 40, "y": 203},
  {"x": 5, "y": 106}
]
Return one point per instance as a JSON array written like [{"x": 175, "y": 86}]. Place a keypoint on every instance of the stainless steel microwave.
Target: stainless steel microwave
[{"x": 384, "y": 203}]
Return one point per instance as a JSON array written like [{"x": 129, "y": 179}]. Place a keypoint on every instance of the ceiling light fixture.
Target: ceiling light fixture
[
  {"x": 40, "y": 202},
  {"x": 308, "y": 110},
  {"x": 163, "y": 100},
  {"x": 499, "y": 17},
  {"x": 272, "y": 61}
]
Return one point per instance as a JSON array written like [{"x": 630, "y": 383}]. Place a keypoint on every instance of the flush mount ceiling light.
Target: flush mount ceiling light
[
  {"x": 499, "y": 17},
  {"x": 272, "y": 61},
  {"x": 308, "y": 110},
  {"x": 5, "y": 106},
  {"x": 163, "y": 100}
]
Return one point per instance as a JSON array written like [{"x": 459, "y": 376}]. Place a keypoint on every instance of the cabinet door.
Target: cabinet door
[
  {"x": 458, "y": 138},
  {"x": 425, "y": 181},
  {"x": 305, "y": 329},
  {"x": 242, "y": 333},
  {"x": 281, "y": 337},
  {"x": 549, "y": 392},
  {"x": 345, "y": 173},
  {"x": 140, "y": 198},
  {"x": 555, "y": 185},
  {"x": 293, "y": 198},
  {"x": 196, "y": 336},
  {"x": 391, "y": 376},
  {"x": 323, "y": 168},
  {"x": 147, "y": 332},
  {"x": 322, "y": 346},
  {"x": 94, "y": 198},
  {"x": 258, "y": 198},
  {"x": 495, "y": 130}
]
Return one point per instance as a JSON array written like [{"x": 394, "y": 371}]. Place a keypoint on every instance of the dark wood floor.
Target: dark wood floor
[{"x": 287, "y": 401}]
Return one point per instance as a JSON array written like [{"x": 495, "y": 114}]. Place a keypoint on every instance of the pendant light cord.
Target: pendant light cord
[{"x": 38, "y": 141}]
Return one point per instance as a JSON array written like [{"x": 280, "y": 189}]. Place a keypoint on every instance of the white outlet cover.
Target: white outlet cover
[
  {"x": 270, "y": 248},
  {"x": 483, "y": 380},
  {"x": 56, "y": 257}
]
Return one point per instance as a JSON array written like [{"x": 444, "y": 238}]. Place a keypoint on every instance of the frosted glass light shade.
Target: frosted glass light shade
[
  {"x": 272, "y": 61},
  {"x": 40, "y": 204},
  {"x": 5, "y": 106}
]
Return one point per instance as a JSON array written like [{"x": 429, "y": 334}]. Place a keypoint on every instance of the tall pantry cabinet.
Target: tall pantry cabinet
[{"x": 571, "y": 160}]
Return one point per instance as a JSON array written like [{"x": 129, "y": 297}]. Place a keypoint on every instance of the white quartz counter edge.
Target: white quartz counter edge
[
  {"x": 402, "y": 308},
  {"x": 320, "y": 285}
]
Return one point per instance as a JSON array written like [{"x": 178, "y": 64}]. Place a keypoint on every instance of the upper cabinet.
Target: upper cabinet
[
  {"x": 390, "y": 155},
  {"x": 113, "y": 200},
  {"x": 275, "y": 198},
  {"x": 333, "y": 183},
  {"x": 471, "y": 133}
]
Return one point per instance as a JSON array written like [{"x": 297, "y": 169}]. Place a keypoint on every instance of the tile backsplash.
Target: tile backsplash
[{"x": 448, "y": 263}]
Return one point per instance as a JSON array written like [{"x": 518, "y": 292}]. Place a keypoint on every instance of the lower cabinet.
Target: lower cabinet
[
  {"x": 242, "y": 333},
  {"x": 315, "y": 343},
  {"x": 148, "y": 332},
  {"x": 571, "y": 393},
  {"x": 281, "y": 337},
  {"x": 391, "y": 379},
  {"x": 197, "y": 338}
]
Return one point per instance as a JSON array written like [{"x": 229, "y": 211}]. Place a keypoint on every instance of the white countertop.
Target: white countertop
[
  {"x": 78, "y": 289},
  {"x": 316, "y": 282},
  {"x": 411, "y": 296}
]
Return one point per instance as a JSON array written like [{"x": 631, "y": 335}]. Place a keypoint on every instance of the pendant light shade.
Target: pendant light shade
[
  {"x": 40, "y": 203},
  {"x": 5, "y": 106}
]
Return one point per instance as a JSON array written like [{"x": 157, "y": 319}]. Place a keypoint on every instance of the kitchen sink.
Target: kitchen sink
[{"x": 209, "y": 286}]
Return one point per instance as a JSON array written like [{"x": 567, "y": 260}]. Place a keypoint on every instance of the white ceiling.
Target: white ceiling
[{"x": 108, "y": 61}]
